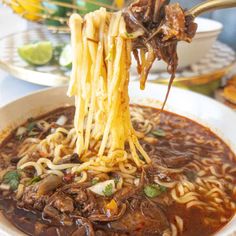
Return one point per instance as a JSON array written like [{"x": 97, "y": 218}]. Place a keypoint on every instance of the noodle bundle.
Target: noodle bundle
[{"x": 99, "y": 82}]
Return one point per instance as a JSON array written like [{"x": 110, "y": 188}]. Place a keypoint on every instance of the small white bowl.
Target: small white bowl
[{"x": 190, "y": 53}]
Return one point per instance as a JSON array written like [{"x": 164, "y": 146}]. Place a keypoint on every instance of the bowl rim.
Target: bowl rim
[
  {"x": 216, "y": 26},
  {"x": 135, "y": 85}
]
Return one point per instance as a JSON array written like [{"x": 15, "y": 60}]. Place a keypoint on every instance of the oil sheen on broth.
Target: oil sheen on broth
[{"x": 188, "y": 189}]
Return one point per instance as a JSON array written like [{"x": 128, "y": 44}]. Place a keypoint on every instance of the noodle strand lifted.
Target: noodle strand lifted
[{"x": 99, "y": 83}]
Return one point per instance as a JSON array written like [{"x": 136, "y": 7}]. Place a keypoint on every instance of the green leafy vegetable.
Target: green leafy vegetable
[
  {"x": 154, "y": 190},
  {"x": 191, "y": 175},
  {"x": 30, "y": 126},
  {"x": 159, "y": 133},
  {"x": 12, "y": 178},
  {"x": 95, "y": 181},
  {"x": 108, "y": 191},
  {"x": 32, "y": 133},
  {"x": 34, "y": 180},
  {"x": 129, "y": 35}
]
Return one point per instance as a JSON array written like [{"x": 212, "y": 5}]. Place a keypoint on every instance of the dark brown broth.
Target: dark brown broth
[{"x": 180, "y": 140}]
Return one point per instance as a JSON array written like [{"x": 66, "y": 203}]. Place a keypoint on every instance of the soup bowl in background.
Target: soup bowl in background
[
  {"x": 197, "y": 107},
  {"x": 190, "y": 53}
]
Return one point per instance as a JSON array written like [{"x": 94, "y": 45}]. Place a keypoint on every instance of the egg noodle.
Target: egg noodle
[{"x": 99, "y": 82}]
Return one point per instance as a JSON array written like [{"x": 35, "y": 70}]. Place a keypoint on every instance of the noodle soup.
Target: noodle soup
[{"x": 187, "y": 189}]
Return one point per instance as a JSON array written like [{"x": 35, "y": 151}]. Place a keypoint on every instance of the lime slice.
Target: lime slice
[
  {"x": 37, "y": 54},
  {"x": 65, "y": 59}
]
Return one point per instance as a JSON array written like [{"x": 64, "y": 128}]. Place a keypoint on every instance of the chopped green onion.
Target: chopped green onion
[
  {"x": 108, "y": 191},
  {"x": 159, "y": 133},
  {"x": 32, "y": 133},
  {"x": 34, "y": 180},
  {"x": 129, "y": 35},
  {"x": 12, "y": 178},
  {"x": 95, "y": 181},
  {"x": 154, "y": 190},
  {"x": 30, "y": 126}
]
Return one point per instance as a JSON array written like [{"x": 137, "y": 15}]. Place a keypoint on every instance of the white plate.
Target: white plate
[{"x": 197, "y": 107}]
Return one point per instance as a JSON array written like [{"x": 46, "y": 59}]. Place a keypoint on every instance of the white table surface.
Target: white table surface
[{"x": 10, "y": 87}]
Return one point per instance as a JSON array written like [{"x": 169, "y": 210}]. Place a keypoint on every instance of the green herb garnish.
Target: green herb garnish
[
  {"x": 34, "y": 180},
  {"x": 129, "y": 35},
  {"x": 12, "y": 178},
  {"x": 108, "y": 191},
  {"x": 116, "y": 180},
  {"x": 95, "y": 181},
  {"x": 30, "y": 126},
  {"x": 33, "y": 133},
  {"x": 154, "y": 190},
  {"x": 159, "y": 133}
]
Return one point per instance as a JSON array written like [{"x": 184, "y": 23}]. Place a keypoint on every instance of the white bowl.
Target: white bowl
[
  {"x": 197, "y": 107},
  {"x": 190, "y": 53}
]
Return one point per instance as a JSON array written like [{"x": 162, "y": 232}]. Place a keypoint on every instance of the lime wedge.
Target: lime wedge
[
  {"x": 38, "y": 53},
  {"x": 65, "y": 59}
]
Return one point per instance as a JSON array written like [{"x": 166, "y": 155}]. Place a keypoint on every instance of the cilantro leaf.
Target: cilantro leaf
[
  {"x": 12, "y": 178},
  {"x": 34, "y": 180},
  {"x": 95, "y": 181},
  {"x": 154, "y": 190},
  {"x": 30, "y": 126},
  {"x": 159, "y": 133},
  {"x": 108, "y": 191}
]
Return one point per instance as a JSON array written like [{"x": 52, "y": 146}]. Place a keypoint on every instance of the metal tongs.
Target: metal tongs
[{"x": 209, "y": 5}]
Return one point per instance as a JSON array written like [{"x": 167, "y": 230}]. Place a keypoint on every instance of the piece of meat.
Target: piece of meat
[
  {"x": 55, "y": 216},
  {"x": 36, "y": 196},
  {"x": 48, "y": 184},
  {"x": 105, "y": 218},
  {"x": 148, "y": 219},
  {"x": 31, "y": 200},
  {"x": 84, "y": 199},
  {"x": 125, "y": 193},
  {"x": 159, "y": 26},
  {"x": 177, "y": 161},
  {"x": 85, "y": 228},
  {"x": 62, "y": 202}
]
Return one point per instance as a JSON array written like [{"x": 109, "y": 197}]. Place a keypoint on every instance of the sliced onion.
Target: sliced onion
[
  {"x": 61, "y": 120},
  {"x": 136, "y": 181},
  {"x": 5, "y": 187},
  {"x": 99, "y": 188},
  {"x": 20, "y": 131}
]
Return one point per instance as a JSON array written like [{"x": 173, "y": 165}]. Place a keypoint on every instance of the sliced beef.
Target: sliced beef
[
  {"x": 125, "y": 193},
  {"x": 36, "y": 196},
  {"x": 147, "y": 219},
  {"x": 85, "y": 228},
  {"x": 105, "y": 218},
  {"x": 55, "y": 216},
  {"x": 177, "y": 161},
  {"x": 62, "y": 202}
]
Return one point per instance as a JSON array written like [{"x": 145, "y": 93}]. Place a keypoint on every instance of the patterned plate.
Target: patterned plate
[
  {"x": 218, "y": 59},
  {"x": 49, "y": 75},
  {"x": 216, "y": 62}
]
